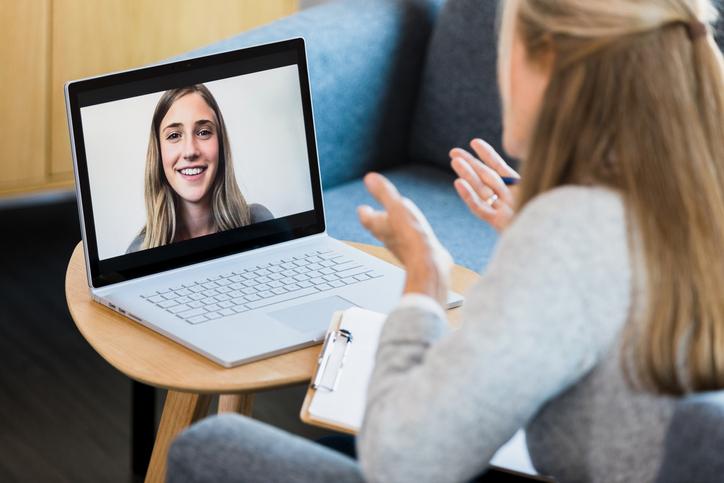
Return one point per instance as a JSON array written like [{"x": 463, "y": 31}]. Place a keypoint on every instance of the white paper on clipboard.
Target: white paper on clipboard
[{"x": 345, "y": 404}]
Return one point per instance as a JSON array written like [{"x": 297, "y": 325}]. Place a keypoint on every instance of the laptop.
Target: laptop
[{"x": 201, "y": 206}]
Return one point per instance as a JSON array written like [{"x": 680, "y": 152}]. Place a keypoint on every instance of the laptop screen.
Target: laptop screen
[{"x": 193, "y": 160}]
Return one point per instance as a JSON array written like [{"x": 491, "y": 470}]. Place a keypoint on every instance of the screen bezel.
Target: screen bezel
[{"x": 158, "y": 78}]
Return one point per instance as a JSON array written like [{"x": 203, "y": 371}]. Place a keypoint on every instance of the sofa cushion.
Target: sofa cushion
[
  {"x": 695, "y": 440},
  {"x": 469, "y": 240},
  {"x": 458, "y": 97}
]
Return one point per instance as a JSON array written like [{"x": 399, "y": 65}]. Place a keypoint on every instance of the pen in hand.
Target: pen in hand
[{"x": 509, "y": 180}]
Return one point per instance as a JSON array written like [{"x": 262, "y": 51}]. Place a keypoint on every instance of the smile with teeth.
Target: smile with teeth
[{"x": 192, "y": 171}]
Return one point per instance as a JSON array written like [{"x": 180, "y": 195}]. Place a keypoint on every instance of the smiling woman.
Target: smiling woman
[{"x": 190, "y": 187}]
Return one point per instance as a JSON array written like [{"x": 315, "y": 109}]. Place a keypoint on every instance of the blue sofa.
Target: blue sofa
[{"x": 381, "y": 102}]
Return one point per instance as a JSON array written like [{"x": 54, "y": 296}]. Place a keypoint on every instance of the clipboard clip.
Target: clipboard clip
[{"x": 336, "y": 341}]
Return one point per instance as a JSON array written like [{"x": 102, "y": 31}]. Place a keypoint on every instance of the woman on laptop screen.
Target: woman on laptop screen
[{"x": 190, "y": 186}]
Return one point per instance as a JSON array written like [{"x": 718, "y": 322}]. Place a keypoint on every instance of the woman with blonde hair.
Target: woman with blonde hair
[
  {"x": 191, "y": 189},
  {"x": 602, "y": 304}
]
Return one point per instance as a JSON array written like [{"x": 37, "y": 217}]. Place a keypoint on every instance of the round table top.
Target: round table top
[{"x": 149, "y": 357}]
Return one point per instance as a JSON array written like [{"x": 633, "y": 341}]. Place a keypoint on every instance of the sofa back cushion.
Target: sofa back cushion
[
  {"x": 365, "y": 58},
  {"x": 458, "y": 97}
]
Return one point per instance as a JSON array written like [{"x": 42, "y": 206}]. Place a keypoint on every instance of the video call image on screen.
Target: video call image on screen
[{"x": 197, "y": 160}]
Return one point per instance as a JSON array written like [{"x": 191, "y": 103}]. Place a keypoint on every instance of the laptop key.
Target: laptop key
[
  {"x": 197, "y": 320},
  {"x": 324, "y": 286},
  {"x": 213, "y": 315},
  {"x": 226, "y": 312},
  {"x": 336, "y": 283},
  {"x": 167, "y": 303},
  {"x": 352, "y": 272},
  {"x": 192, "y": 313},
  {"x": 266, "y": 294},
  {"x": 178, "y": 308},
  {"x": 282, "y": 298}
]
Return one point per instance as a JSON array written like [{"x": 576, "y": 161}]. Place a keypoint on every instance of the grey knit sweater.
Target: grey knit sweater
[{"x": 538, "y": 349}]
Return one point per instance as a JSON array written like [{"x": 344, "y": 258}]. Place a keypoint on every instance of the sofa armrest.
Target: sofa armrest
[{"x": 365, "y": 59}]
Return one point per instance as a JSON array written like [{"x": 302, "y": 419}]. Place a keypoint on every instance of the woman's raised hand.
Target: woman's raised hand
[
  {"x": 404, "y": 230},
  {"x": 480, "y": 183}
]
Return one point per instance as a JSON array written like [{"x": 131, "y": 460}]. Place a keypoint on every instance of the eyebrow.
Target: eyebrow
[{"x": 179, "y": 124}]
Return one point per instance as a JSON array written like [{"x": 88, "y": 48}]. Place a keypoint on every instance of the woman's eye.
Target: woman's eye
[
  {"x": 173, "y": 136},
  {"x": 205, "y": 133}
]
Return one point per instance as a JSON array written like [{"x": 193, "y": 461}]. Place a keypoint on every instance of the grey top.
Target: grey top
[
  {"x": 257, "y": 211},
  {"x": 538, "y": 348}
]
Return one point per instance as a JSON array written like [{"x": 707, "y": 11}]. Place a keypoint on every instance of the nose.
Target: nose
[{"x": 191, "y": 151}]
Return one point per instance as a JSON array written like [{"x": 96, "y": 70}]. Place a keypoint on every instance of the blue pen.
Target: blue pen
[{"x": 509, "y": 180}]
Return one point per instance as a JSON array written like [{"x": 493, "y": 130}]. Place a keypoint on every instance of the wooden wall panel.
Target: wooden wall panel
[
  {"x": 91, "y": 37},
  {"x": 24, "y": 93}
]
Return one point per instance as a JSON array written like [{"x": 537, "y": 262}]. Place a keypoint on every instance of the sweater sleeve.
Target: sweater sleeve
[{"x": 441, "y": 403}]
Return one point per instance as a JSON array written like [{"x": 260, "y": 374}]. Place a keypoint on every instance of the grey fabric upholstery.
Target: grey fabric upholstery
[
  {"x": 233, "y": 448},
  {"x": 694, "y": 448},
  {"x": 459, "y": 91},
  {"x": 469, "y": 240},
  {"x": 365, "y": 60}
]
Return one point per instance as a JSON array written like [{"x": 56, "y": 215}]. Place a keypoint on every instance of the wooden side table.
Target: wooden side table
[{"x": 190, "y": 379}]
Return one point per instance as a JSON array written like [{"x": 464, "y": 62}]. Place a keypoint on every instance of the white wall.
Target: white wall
[{"x": 264, "y": 120}]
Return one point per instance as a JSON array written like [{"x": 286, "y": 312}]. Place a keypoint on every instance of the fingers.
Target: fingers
[
  {"x": 498, "y": 218},
  {"x": 482, "y": 178},
  {"x": 490, "y": 157},
  {"x": 464, "y": 170},
  {"x": 477, "y": 206},
  {"x": 373, "y": 221},
  {"x": 381, "y": 189}
]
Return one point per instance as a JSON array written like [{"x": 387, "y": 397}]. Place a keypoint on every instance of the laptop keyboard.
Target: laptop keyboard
[{"x": 258, "y": 286}]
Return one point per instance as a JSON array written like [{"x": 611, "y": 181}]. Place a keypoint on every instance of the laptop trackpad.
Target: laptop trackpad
[{"x": 312, "y": 316}]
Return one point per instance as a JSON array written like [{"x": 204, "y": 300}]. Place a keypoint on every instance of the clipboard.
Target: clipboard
[{"x": 337, "y": 394}]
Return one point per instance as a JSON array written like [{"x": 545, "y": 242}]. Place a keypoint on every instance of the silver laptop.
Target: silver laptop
[{"x": 201, "y": 205}]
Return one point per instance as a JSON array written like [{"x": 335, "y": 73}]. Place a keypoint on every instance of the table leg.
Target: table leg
[
  {"x": 180, "y": 410},
  {"x": 236, "y": 403},
  {"x": 143, "y": 425}
]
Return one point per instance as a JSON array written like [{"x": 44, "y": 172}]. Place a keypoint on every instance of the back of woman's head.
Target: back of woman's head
[{"x": 636, "y": 103}]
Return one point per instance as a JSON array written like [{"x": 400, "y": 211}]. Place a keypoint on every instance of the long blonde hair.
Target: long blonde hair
[
  {"x": 228, "y": 206},
  {"x": 636, "y": 103}
]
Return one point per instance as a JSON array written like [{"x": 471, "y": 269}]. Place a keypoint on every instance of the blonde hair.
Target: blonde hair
[
  {"x": 228, "y": 206},
  {"x": 636, "y": 103}
]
